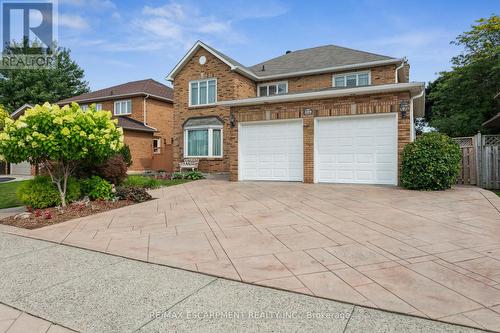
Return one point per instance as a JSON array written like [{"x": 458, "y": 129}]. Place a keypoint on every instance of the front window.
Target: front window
[
  {"x": 98, "y": 107},
  {"x": 84, "y": 107},
  {"x": 156, "y": 146},
  {"x": 203, "y": 92},
  {"x": 123, "y": 107},
  {"x": 351, "y": 80},
  {"x": 203, "y": 142},
  {"x": 274, "y": 88}
]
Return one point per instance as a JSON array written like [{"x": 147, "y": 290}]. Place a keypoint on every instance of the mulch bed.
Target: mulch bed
[{"x": 49, "y": 216}]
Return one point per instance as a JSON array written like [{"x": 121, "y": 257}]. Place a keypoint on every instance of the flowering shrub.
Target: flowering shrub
[{"x": 60, "y": 138}]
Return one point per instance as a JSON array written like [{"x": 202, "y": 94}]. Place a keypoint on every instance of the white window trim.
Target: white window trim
[
  {"x": 158, "y": 148},
  {"x": 198, "y": 81},
  {"x": 275, "y": 83},
  {"x": 98, "y": 106},
  {"x": 122, "y": 101},
  {"x": 345, "y": 75},
  {"x": 84, "y": 107},
  {"x": 210, "y": 141}
]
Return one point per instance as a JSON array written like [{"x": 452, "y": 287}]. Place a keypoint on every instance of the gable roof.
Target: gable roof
[
  {"x": 20, "y": 111},
  {"x": 134, "y": 88},
  {"x": 314, "y": 60},
  {"x": 128, "y": 123}
]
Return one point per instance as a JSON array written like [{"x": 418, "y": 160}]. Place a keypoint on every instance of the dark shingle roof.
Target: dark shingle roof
[
  {"x": 313, "y": 59},
  {"x": 128, "y": 123},
  {"x": 148, "y": 86}
]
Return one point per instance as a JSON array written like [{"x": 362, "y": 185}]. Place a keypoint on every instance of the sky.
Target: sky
[{"x": 117, "y": 41}]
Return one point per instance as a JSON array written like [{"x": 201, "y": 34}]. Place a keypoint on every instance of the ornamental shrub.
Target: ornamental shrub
[
  {"x": 432, "y": 162},
  {"x": 194, "y": 175},
  {"x": 132, "y": 193},
  {"x": 127, "y": 156},
  {"x": 97, "y": 188},
  {"x": 41, "y": 192},
  {"x": 177, "y": 175},
  {"x": 114, "y": 170}
]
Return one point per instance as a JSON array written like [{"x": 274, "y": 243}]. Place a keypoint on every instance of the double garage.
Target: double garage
[{"x": 347, "y": 149}]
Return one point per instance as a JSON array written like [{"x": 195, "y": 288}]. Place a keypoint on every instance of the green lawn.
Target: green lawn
[
  {"x": 497, "y": 192},
  {"x": 149, "y": 182},
  {"x": 8, "y": 196}
]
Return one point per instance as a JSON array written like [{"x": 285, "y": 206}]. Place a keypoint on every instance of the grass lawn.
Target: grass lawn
[
  {"x": 149, "y": 182},
  {"x": 8, "y": 196},
  {"x": 497, "y": 192}
]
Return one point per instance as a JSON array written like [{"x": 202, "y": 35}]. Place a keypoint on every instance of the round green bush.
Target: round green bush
[
  {"x": 432, "y": 162},
  {"x": 41, "y": 192},
  {"x": 97, "y": 188}
]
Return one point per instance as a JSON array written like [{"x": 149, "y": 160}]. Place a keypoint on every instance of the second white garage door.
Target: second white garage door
[
  {"x": 357, "y": 149},
  {"x": 271, "y": 151}
]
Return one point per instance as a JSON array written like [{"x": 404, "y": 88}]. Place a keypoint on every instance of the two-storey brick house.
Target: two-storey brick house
[
  {"x": 324, "y": 114},
  {"x": 144, "y": 110}
]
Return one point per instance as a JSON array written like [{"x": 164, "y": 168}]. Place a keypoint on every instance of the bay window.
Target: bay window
[
  {"x": 202, "y": 92},
  {"x": 203, "y": 142},
  {"x": 351, "y": 80}
]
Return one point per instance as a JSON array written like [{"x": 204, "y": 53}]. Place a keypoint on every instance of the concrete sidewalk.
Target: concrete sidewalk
[{"x": 94, "y": 292}]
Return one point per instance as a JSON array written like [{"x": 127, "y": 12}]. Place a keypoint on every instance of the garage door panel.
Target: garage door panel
[
  {"x": 271, "y": 151},
  {"x": 357, "y": 149}
]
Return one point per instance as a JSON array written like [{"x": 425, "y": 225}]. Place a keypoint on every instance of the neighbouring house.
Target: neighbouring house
[
  {"x": 145, "y": 112},
  {"x": 23, "y": 168},
  {"x": 325, "y": 114}
]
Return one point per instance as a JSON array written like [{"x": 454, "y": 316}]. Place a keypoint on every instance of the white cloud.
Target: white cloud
[
  {"x": 181, "y": 22},
  {"x": 177, "y": 25},
  {"x": 75, "y": 22}
]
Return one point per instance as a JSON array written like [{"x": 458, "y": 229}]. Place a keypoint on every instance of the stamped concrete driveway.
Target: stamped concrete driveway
[{"x": 430, "y": 254}]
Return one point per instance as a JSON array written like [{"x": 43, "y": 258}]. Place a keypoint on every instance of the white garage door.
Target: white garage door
[
  {"x": 357, "y": 149},
  {"x": 23, "y": 169},
  {"x": 271, "y": 151}
]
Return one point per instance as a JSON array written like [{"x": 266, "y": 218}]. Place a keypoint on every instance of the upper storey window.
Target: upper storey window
[
  {"x": 352, "y": 80},
  {"x": 202, "y": 92},
  {"x": 274, "y": 88},
  {"x": 123, "y": 107}
]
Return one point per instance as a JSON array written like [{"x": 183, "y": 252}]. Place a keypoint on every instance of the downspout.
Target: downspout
[
  {"x": 396, "y": 78},
  {"x": 412, "y": 123}
]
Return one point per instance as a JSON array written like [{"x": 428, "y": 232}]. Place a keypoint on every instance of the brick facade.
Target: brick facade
[
  {"x": 232, "y": 86},
  {"x": 341, "y": 106},
  {"x": 159, "y": 115},
  {"x": 141, "y": 149},
  {"x": 379, "y": 75}
]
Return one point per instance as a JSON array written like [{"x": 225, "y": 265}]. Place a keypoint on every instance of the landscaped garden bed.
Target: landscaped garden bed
[
  {"x": 39, "y": 218},
  {"x": 82, "y": 166}
]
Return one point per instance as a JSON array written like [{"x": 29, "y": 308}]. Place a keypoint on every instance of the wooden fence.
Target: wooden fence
[{"x": 480, "y": 160}]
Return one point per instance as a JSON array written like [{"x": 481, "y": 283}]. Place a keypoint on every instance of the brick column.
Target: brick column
[
  {"x": 233, "y": 150},
  {"x": 308, "y": 148}
]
